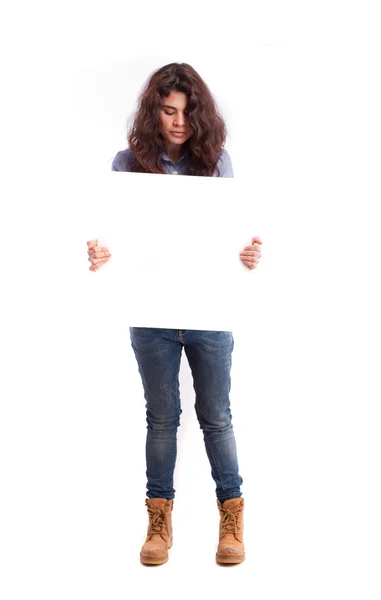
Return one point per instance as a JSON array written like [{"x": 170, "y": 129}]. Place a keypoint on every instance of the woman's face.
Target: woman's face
[{"x": 174, "y": 118}]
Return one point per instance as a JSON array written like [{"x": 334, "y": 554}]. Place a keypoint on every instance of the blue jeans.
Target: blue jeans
[{"x": 158, "y": 354}]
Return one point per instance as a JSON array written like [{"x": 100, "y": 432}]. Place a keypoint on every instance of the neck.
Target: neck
[{"x": 174, "y": 151}]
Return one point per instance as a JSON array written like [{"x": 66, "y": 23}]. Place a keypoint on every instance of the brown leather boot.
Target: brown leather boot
[
  {"x": 159, "y": 533},
  {"x": 231, "y": 548}
]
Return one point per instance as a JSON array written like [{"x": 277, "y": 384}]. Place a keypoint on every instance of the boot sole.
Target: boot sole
[
  {"x": 155, "y": 560},
  {"x": 230, "y": 559}
]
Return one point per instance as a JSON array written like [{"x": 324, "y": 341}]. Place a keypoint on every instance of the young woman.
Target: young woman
[{"x": 178, "y": 130}]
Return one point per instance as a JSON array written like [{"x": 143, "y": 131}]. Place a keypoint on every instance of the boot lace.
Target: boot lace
[
  {"x": 157, "y": 522},
  {"x": 229, "y": 520}
]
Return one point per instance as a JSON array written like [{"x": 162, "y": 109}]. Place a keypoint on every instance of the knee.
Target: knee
[
  {"x": 163, "y": 424},
  {"x": 215, "y": 421}
]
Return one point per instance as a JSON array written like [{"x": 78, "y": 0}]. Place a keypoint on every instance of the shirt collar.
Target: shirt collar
[{"x": 165, "y": 156}]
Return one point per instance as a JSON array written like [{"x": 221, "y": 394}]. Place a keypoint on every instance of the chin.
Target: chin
[{"x": 178, "y": 140}]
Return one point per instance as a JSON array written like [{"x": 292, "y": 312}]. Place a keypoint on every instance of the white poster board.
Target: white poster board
[{"x": 175, "y": 244}]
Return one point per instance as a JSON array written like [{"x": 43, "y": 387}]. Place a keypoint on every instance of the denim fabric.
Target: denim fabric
[{"x": 209, "y": 353}]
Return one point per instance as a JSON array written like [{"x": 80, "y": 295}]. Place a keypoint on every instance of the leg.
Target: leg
[
  {"x": 209, "y": 356},
  {"x": 158, "y": 354}
]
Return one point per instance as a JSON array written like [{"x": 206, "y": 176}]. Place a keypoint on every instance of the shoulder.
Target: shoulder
[
  {"x": 123, "y": 160},
  {"x": 225, "y": 164}
]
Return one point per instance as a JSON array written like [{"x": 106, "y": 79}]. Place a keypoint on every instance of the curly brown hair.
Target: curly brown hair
[{"x": 207, "y": 125}]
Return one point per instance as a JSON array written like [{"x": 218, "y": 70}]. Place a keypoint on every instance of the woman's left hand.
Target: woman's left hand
[{"x": 250, "y": 255}]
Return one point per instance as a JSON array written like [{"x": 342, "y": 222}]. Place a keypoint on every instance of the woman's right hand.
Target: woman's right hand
[{"x": 98, "y": 255}]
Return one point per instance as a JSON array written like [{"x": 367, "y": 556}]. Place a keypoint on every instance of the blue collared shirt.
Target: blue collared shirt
[{"x": 124, "y": 160}]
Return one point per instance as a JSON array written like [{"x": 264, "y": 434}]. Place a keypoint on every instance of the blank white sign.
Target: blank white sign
[{"x": 175, "y": 244}]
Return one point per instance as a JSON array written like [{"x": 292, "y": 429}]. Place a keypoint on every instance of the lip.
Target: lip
[{"x": 178, "y": 133}]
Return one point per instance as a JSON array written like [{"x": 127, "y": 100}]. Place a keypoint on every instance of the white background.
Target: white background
[
  {"x": 175, "y": 244},
  {"x": 298, "y": 86}
]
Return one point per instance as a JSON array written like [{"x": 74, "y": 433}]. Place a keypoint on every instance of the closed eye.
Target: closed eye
[{"x": 172, "y": 113}]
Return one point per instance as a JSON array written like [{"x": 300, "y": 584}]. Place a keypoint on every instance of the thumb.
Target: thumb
[
  {"x": 256, "y": 240},
  {"x": 92, "y": 243}
]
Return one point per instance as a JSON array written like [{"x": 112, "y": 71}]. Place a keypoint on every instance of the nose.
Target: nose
[{"x": 179, "y": 120}]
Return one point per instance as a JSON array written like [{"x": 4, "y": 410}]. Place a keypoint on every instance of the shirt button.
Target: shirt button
[{"x": 174, "y": 172}]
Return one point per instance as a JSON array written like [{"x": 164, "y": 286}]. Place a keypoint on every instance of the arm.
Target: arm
[
  {"x": 225, "y": 164},
  {"x": 123, "y": 161}
]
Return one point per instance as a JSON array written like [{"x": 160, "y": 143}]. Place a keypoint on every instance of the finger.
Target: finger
[
  {"x": 249, "y": 260},
  {"x": 100, "y": 260},
  {"x": 250, "y": 255},
  {"x": 249, "y": 264},
  {"x": 97, "y": 265},
  {"x": 96, "y": 261},
  {"x": 100, "y": 254}
]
